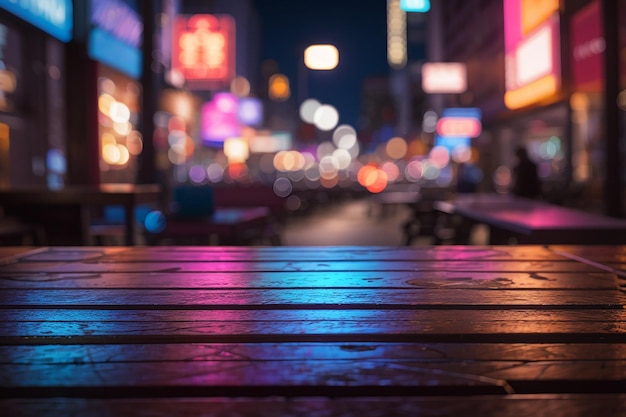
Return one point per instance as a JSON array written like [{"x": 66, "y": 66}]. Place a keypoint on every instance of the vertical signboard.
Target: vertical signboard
[
  {"x": 203, "y": 50},
  {"x": 532, "y": 53},
  {"x": 587, "y": 49}
]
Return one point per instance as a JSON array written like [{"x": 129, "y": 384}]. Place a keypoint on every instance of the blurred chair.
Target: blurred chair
[{"x": 208, "y": 215}]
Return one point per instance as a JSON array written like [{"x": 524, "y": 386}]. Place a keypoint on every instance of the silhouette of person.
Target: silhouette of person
[{"x": 526, "y": 181}]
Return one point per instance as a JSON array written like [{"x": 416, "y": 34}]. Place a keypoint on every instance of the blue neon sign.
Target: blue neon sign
[
  {"x": 116, "y": 35},
  {"x": 109, "y": 50},
  {"x": 54, "y": 17},
  {"x": 419, "y": 6}
]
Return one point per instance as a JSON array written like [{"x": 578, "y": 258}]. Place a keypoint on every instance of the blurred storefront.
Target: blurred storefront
[
  {"x": 546, "y": 75},
  {"x": 114, "y": 42},
  {"x": 33, "y": 37}
]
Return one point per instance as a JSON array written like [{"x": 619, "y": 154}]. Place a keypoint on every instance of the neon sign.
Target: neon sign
[
  {"x": 444, "y": 77},
  {"x": 220, "y": 119},
  {"x": 203, "y": 50},
  {"x": 532, "y": 61},
  {"x": 118, "y": 19},
  {"x": 460, "y": 123},
  {"x": 54, "y": 17},
  {"x": 416, "y": 6},
  {"x": 459, "y": 127},
  {"x": 588, "y": 47}
]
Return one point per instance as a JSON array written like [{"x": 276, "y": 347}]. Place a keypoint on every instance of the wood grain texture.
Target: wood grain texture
[{"x": 457, "y": 330}]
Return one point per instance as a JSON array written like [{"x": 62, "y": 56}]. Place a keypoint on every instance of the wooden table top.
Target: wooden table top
[
  {"x": 316, "y": 331},
  {"x": 540, "y": 221}
]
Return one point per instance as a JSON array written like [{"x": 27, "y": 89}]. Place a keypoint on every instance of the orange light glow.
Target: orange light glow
[
  {"x": 535, "y": 12},
  {"x": 279, "y": 87},
  {"x": 372, "y": 178},
  {"x": 104, "y": 103},
  {"x": 237, "y": 170},
  {"x": 533, "y": 67},
  {"x": 364, "y": 173},
  {"x": 396, "y": 148},
  {"x": 531, "y": 93},
  {"x": 236, "y": 150}
]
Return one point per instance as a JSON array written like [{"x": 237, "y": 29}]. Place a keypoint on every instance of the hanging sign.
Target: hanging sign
[{"x": 203, "y": 50}]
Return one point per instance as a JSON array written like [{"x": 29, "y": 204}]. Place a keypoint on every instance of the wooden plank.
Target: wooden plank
[
  {"x": 597, "y": 253},
  {"x": 314, "y": 298},
  {"x": 97, "y": 323},
  {"x": 314, "y": 376},
  {"x": 310, "y": 378},
  {"x": 287, "y": 279},
  {"x": 298, "y": 253},
  {"x": 135, "y": 326},
  {"x": 606, "y": 258},
  {"x": 565, "y": 405},
  {"x": 6, "y": 251},
  {"x": 344, "y": 253},
  {"x": 231, "y": 352},
  {"x": 300, "y": 266}
]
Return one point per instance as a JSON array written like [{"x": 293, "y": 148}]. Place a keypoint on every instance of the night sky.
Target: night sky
[{"x": 358, "y": 28}]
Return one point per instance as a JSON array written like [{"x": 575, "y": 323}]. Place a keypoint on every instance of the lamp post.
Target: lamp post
[{"x": 319, "y": 57}]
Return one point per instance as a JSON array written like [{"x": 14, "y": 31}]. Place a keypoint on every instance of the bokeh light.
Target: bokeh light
[
  {"x": 439, "y": 156},
  {"x": 155, "y": 222},
  {"x": 119, "y": 112},
  {"x": 502, "y": 179},
  {"x": 240, "y": 86},
  {"x": 197, "y": 174},
  {"x": 344, "y": 136},
  {"x": 396, "y": 148},
  {"x": 282, "y": 187},
  {"x": 308, "y": 109},
  {"x": 326, "y": 117},
  {"x": 279, "y": 89},
  {"x": 429, "y": 124}
]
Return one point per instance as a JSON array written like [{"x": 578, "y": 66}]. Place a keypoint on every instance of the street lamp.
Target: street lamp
[{"x": 319, "y": 57}]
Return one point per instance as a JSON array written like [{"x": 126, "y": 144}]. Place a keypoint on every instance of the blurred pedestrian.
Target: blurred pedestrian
[{"x": 526, "y": 181}]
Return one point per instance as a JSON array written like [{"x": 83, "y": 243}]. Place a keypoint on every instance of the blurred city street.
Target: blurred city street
[
  {"x": 352, "y": 222},
  {"x": 356, "y": 223}
]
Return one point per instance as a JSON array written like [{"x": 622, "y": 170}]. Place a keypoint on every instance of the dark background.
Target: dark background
[{"x": 357, "y": 28}]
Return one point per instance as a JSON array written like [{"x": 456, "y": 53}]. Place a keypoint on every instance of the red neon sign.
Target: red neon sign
[
  {"x": 203, "y": 49},
  {"x": 464, "y": 127}
]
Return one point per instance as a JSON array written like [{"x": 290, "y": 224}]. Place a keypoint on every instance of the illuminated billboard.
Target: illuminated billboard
[
  {"x": 444, "y": 77},
  {"x": 203, "y": 50},
  {"x": 459, "y": 123},
  {"x": 220, "y": 119},
  {"x": 588, "y": 47},
  {"x": 54, "y": 17},
  {"x": 532, "y": 59},
  {"x": 115, "y": 36}
]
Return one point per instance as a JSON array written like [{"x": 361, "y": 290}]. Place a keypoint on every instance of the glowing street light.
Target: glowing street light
[
  {"x": 321, "y": 57},
  {"x": 317, "y": 57}
]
